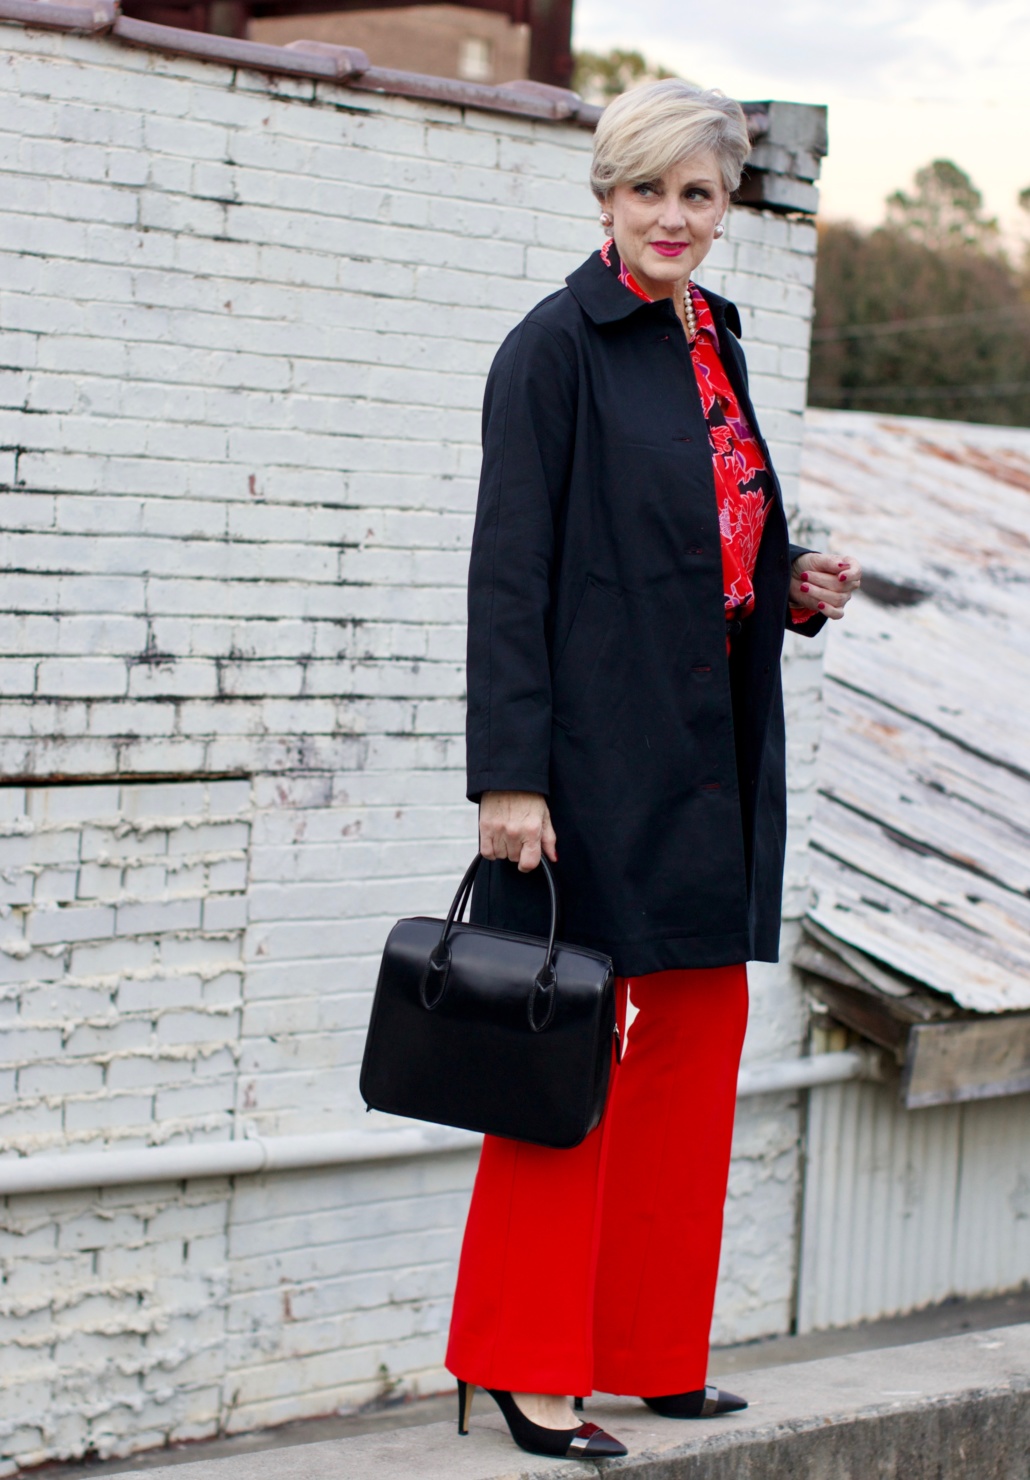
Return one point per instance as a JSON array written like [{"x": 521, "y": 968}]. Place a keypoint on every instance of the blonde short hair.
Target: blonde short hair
[{"x": 647, "y": 130}]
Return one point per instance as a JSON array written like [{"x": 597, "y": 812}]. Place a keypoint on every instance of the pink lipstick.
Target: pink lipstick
[{"x": 669, "y": 249}]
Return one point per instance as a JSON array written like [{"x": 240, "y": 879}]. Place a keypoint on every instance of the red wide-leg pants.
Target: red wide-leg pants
[{"x": 595, "y": 1268}]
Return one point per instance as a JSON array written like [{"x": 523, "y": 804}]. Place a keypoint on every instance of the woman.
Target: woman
[{"x": 631, "y": 580}]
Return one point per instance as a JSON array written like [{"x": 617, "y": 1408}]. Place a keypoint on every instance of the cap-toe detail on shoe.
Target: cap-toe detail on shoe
[
  {"x": 703, "y": 1402},
  {"x": 729, "y": 1403},
  {"x": 591, "y": 1442}
]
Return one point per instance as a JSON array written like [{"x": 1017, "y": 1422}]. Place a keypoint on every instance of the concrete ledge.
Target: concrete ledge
[{"x": 955, "y": 1409}]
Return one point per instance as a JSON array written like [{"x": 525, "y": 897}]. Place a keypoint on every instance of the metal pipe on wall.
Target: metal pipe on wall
[{"x": 254, "y": 1155}]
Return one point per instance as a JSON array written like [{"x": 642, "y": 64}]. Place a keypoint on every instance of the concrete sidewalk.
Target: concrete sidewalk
[{"x": 952, "y": 1409}]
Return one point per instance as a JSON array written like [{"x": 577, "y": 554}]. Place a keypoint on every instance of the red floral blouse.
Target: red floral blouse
[{"x": 744, "y": 487}]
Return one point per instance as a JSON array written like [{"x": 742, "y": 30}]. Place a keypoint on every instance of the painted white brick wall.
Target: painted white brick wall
[
  {"x": 121, "y": 961},
  {"x": 245, "y": 325}
]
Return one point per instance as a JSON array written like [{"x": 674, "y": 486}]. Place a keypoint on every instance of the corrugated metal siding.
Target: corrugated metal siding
[
  {"x": 992, "y": 1240},
  {"x": 903, "y": 1209}
]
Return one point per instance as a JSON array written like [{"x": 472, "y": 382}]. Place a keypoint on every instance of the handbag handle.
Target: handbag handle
[{"x": 543, "y": 991}]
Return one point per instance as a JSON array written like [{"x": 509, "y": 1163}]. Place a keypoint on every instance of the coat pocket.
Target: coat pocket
[{"x": 577, "y": 678}]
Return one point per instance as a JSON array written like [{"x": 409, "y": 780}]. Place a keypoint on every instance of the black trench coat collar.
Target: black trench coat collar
[{"x": 597, "y": 290}]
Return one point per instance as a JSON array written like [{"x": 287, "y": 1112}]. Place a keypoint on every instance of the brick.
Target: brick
[
  {"x": 185, "y": 877},
  {"x": 20, "y": 1045},
  {"x": 56, "y": 1002},
  {"x": 112, "y": 958},
  {"x": 793, "y": 363},
  {"x": 52, "y": 806},
  {"x": 16, "y": 889},
  {"x": 191, "y": 1100},
  {"x": 224, "y": 837},
  {"x": 113, "y": 1113},
  {"x": 195, "y": 140},
  {"x": 152, "y": 755},
  {"x": 59, "y": 885},
  {"x": 88, "y": 922},
  {"x": 171, "y": 679},
  {"x": 226, "y": 913},
  {"x": 85, "y": 677},
  {"x": 159, "y": 993},
  {"x": 104, "y": 633},
  {"x": 228, "y": 797},
  {"x": 18, "y": 965},
  {"x": 102, "y": 1040},
  {"x": 59, "y": 1079},
  {"x": 152, "y": 917},
  {"x": 228, "y": 875},
  {"x": 224, "y": 990},
  {"x": 148, "y": 881},
  {"x": 196, "y": 1027},
  {"x": 178, "y": 952},
  {"x": 30, "y": 1125},
  {"x": 98, "y": 881}
]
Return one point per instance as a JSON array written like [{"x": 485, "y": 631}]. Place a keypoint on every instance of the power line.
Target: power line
[
  {"x": 906, "y": 326},
  {"x": 926, "y": 393}
]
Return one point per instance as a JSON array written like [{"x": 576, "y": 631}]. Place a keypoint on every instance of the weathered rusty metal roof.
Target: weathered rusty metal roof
[{"x": 921, "y": 835}]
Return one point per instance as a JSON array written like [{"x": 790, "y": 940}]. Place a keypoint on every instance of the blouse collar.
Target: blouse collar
[{"x": 605, "y": 300}]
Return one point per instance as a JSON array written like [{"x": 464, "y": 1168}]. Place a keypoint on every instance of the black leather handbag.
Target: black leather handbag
[{"x": 508, "y": 1034}]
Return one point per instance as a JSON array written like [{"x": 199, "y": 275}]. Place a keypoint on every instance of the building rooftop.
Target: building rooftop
[{"x": 922, "y": 827}]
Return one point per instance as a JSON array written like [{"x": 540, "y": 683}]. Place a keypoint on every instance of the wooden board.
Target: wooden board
[
  {"x": 863, "y": 1013},
  {"x": 972, "y": 1060}
]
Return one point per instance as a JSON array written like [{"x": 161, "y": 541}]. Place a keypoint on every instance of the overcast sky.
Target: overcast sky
[{"x": 906, "y": 81}]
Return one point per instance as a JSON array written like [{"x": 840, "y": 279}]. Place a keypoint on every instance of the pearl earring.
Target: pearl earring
[
  {"x": 606, "y": 222},
  {"x": 719, "y": 230}
]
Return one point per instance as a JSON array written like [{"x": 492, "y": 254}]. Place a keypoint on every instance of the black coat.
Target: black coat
[{"x": 597, "y": 664}]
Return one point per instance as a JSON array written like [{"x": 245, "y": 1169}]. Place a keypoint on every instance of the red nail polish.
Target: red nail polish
[
  {"x": 822, "y": 605},
  {"x": 842, "y": 576}
]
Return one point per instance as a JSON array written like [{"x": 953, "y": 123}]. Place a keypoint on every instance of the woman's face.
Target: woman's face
[{"x": 664, "y": 228}]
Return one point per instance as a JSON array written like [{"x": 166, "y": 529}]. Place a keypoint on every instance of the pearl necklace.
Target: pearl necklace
[{"x": 689, "y": 316}]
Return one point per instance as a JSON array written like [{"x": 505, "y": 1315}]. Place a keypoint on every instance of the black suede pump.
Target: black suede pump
[{"x": 586, "y": 1442}]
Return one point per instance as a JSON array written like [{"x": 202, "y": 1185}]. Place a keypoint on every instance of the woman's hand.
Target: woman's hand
[
  {"x": 824, "y": 583},
  {"x": 516, "y": 825}
]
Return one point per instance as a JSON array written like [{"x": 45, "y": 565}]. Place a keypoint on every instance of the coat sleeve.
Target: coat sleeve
[
  {"x": 528, "y": 429},
  {"x": 816, "y": 622}
]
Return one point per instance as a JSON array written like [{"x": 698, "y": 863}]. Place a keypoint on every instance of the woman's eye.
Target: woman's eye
[
  {"x": 644, "y": 189},
  {"x": 696, "y": 193}
]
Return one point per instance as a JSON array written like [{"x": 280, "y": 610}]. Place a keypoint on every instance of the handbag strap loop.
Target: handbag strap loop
[
  {"x": 542, "y": 998},
  {"x": 543, "y": 993}
]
